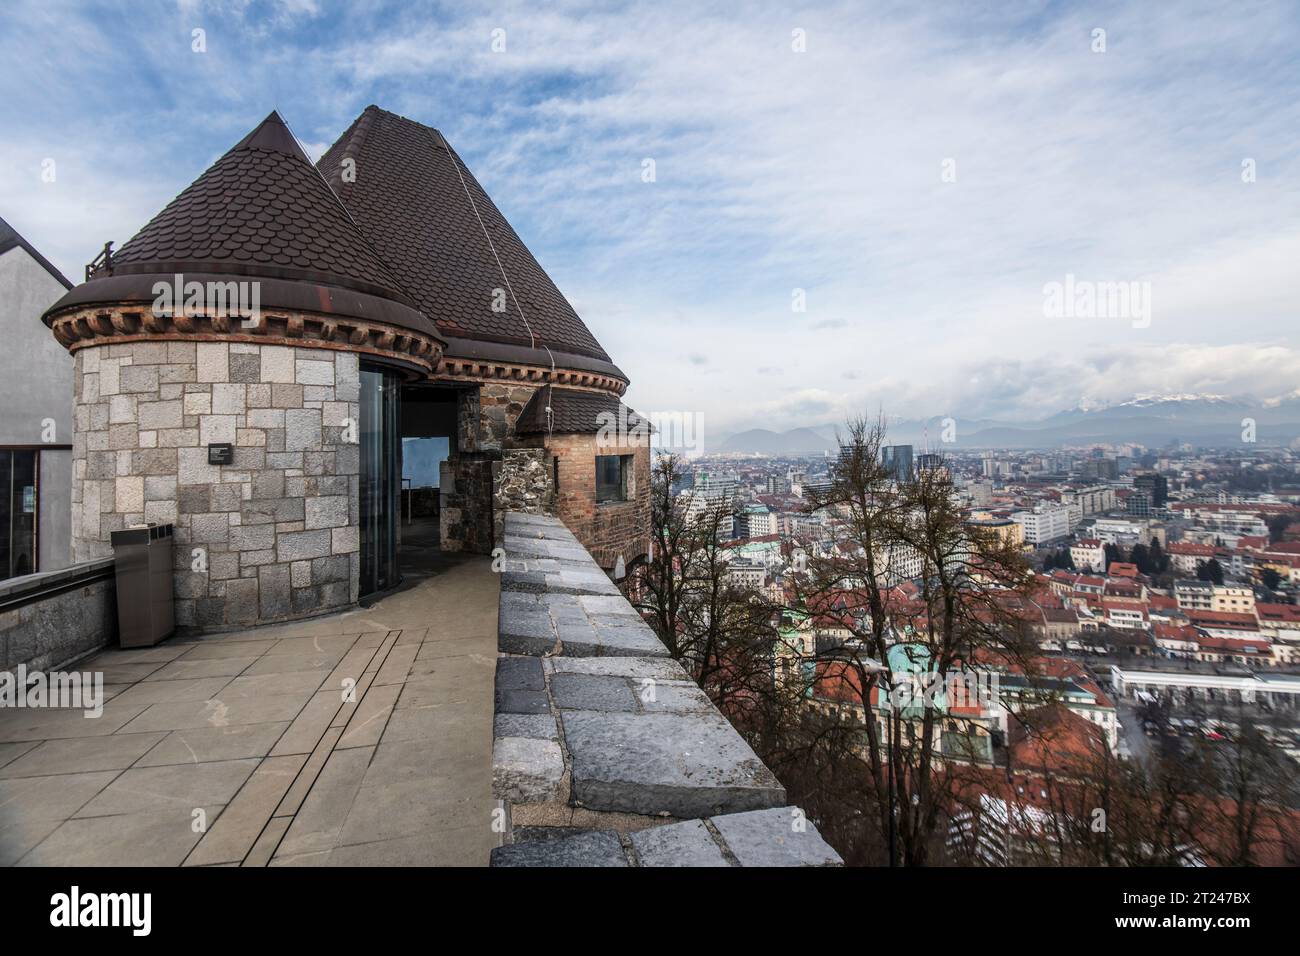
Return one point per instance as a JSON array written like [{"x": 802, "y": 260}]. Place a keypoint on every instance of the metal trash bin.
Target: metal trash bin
[{"x": 146, "y": 613}]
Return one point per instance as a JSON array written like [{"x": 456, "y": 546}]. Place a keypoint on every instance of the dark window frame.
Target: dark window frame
[
  {"x": 6, "y": 482},
  {"x": 604, "y": 493}
]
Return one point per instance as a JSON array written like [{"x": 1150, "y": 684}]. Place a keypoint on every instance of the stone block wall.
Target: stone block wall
[
  {"x": 486, "y": 416},
  {"x": 499, "y": 408},
  {"x": 605, "y": 752},
  {"x": 52, "y": 618},
  {"x": 465, "y": 515},
  {"x": 275, "y": 534}
]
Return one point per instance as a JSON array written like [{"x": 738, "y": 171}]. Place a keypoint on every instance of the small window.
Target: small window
[{"x": 612, "y": 474}]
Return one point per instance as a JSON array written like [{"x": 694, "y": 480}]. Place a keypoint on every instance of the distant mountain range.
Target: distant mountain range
[
  {"x": 796, "y": 442},
  {"x": 1152, "y": 420}
]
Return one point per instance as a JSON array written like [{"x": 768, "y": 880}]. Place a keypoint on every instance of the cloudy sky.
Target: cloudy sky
[{"x": 854, "y": 206}]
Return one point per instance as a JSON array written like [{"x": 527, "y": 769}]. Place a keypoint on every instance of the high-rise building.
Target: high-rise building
[
  {"x": 1138, "y": 504},
  {"x": 929, "y": 462},
  {"x": 1155, "y": 485},
  {"x": 778, "y": 485},
  {"x": 1101, "y": 468},
  {"x": 897, "y": 459}
]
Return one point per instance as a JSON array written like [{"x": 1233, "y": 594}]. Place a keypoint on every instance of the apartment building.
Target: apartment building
[
  {"x": 1094, "y": 499},
  {"x": 1193, "y": 595},
  {"x": 1045, "y": 523},
  {"x": 1007, "y": 531},
  {"x": 1185, "y": 556},
  {"x": 1088, "y": 553}
]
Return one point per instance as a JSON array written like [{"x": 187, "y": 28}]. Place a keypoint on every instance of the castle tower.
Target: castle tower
[{"x": 249, "y": 365}]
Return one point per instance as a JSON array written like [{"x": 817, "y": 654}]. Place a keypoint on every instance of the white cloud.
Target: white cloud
[{"x": 775, "y": 170}]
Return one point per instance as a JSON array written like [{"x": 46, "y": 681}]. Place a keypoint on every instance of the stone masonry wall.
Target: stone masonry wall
[
  {"x": 272, "y": 536},
  {"x": 465, "y": 515},
  {"x": 471, "y": 508},
  {"x": 57, "y": 616},
  {"x": 521, "y": 483},
  {"x": 486, "y": 417}
]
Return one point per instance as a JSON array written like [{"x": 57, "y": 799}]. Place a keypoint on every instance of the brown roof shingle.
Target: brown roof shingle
[
  {"x": 261, "y": 209},
  {"x": 576, "y": 412},
  {"x": 408, "y": 197}
]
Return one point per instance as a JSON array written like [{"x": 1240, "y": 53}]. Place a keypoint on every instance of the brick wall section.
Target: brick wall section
[
  {"x": 272, "y": 536},
  {"x": 609, "y": 529}
]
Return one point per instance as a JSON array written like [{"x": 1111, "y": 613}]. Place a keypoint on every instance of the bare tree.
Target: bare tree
[
  {"x": 959, "y": 612},
  {"x": 722, "y": 632},
  {"x": 1251, "y": 785}
]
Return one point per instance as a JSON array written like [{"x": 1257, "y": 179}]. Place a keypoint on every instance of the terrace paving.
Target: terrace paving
[{"x": 252, "y": 728}]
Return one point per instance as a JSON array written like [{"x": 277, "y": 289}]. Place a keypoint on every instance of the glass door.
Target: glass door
[
  {"x": 18, "y": 497},
  {"x": 381, "y": 473}
]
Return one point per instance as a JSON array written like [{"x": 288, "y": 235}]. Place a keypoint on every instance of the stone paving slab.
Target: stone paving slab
[
  {"x": 601, "y": 848},
  {"x": 593, "y": 692},
  {"x": 81, "y": 754},
  {"x": 678, "y": 844},
  {"x": 775, "y": 837},
  {"x": 638, "y": 668},
  {"x": 536, "y": 726},
  {"x": 527, "y": 769},
  {"x": 677, "y": 765},
  {"x": 361, "y": 738}
]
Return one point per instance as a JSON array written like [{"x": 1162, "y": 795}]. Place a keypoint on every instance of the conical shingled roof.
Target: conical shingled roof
[
  {"x": 264, "y": 211},
  {"x": 408, "y": 197},
  {"x": 261, "y": 205}
]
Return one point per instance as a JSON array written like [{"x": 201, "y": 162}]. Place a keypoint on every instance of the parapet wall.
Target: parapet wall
[
  {"x": 49, "y": 619},
  {"x": 605, "y": 752}
]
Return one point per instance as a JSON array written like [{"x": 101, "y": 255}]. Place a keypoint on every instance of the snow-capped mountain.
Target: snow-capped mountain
[{"x": 1150, "y": 419}]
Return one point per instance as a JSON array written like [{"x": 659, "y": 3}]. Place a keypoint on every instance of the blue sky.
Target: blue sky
[{"x": 776, "y": 171}]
